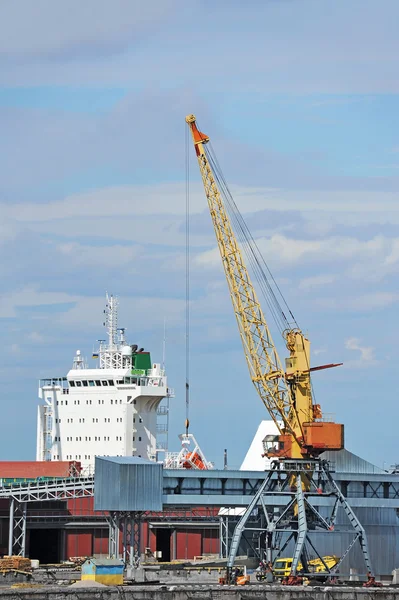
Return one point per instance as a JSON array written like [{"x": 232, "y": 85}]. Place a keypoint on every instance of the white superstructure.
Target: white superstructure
[{"x": 110, "y": 410}]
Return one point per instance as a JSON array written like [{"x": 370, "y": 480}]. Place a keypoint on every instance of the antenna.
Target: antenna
[
  {"x": 164, "y": 344},
  {"x": 111, "y": 319}
]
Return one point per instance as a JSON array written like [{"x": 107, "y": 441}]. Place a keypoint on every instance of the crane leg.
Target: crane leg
[{"x": 236, "y": 539}]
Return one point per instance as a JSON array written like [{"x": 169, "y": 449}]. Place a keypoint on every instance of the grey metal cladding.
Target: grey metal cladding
[
  {"x": 347, "y": 462},
  {"x": 128, "y": 484}
]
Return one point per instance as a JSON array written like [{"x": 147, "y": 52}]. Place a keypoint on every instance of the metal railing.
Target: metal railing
[{"x": 50, "y": 489}]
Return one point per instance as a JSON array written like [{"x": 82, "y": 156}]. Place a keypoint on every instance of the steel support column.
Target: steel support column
[
  {"x": 223, "y": 537},
  {"x": 17, "y": 528},
  {"x": 11, "y": 527},
  {"x": 113, "y": 536},
  {"x": 131, "y": 537}
]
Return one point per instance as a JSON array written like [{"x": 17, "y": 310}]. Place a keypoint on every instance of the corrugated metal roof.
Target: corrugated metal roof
[
  {"x": 129, "y": 460},
  {"x": 347, "y": 462}
]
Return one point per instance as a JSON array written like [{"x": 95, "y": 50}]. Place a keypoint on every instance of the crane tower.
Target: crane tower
[{"x": 298, "y": 473}]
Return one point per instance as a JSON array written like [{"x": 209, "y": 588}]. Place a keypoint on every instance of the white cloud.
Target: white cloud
[
  {"x": 34, "y": 28},
  {"x": 118, "y": 39},
  {"x": 318, "y": 351},
  {"x": 355, "y": 302},
  {"x": 105, "y": 256},
  {"x": 366, "y": 352},
  {"x": 317, "y": 280},
  {"x": 287, "y": 251},
  {"x": 375, "y": 300},
  {"x": 31, "y": 296}
]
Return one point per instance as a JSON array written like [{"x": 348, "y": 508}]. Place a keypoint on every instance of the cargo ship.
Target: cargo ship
[{"x": 109, "y": 409}]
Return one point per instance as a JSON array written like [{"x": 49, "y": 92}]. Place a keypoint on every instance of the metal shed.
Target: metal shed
[
  {"x": 108, "y": 571},
  {"x": 127, "y": 483}
]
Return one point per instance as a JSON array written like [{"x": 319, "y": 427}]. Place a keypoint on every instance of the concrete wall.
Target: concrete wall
[{"x": 251, "y": 592}]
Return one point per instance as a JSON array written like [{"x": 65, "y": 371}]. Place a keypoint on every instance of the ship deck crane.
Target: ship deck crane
[{"x": 285, "y": 390}]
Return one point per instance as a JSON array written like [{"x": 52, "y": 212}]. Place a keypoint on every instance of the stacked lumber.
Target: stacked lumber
[
  {"x": 77, "y": 560},
  {"x": 18, "y": 563}
]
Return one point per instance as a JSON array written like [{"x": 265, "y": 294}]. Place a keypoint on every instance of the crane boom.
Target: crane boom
[{"x": 286, "y": 393}]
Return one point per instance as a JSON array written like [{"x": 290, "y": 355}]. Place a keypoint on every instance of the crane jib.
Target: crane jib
[{"x": 286, "y": 392}]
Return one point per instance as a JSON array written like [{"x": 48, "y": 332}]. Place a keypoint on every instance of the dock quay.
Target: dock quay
[{"x": 199, "y": 592}]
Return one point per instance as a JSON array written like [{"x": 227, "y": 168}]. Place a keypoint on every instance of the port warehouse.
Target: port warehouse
[
  {"x": 187, "y": 523},
  {"x": 58, "y": 530}
]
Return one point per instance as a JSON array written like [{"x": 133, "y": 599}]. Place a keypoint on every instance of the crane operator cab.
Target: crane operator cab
[{"x": 276, "y": 446}]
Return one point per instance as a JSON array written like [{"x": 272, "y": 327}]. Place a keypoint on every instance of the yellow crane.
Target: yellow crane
[
  {"x": 286, "y": 391},
  {"x": 290, "y": 508}
]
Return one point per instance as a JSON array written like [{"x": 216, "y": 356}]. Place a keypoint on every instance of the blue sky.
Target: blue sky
[{"x": 300, "y": 99}]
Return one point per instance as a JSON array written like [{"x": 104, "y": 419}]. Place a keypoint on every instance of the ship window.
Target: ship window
[
  {"x": 84, "y": 383},
  {"x": 140, "y": 420},
  {"x": 72, "y": 383},
  {"x": 57, "y": 402},
  {"x": 112, "y": 401},
  {"x": 98, "y": 382},
  {"x": 134, "y": 439},
  {"x": 105, "y": 382},
  {"x": 91, "y": 383},
  {"x": 119, "y": 381},
  {"x": 134, "y": 419},
  {"x": 78, "y": 383},
  {"x": 110, "y": 382},
  {"x": 139, "y": 439},
  {"x": 66, "y": 402},
  {"x": 134, "y": 380}
]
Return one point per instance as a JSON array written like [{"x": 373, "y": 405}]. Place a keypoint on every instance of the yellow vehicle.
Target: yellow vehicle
[{"x": 282, "y": 566}]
